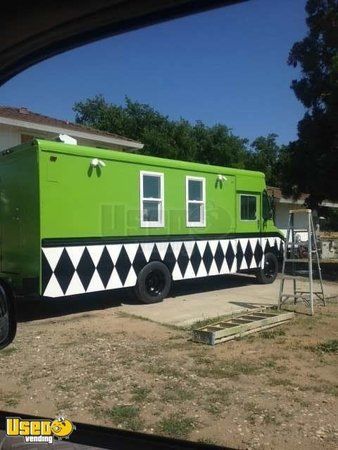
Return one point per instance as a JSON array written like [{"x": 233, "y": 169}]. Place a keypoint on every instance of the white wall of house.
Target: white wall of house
[
  {"x": 282, "y": 216},
  {"x": 9, "y": 137}
]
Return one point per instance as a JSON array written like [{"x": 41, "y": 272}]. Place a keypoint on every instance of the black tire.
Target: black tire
[
  {"x": 268, "y": 273},
  {"x": 7, "y": 317},
  {"x": 153, "y": 283}
]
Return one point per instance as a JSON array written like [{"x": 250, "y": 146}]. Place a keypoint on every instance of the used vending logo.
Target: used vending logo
[{"x": 39, "y": 430}]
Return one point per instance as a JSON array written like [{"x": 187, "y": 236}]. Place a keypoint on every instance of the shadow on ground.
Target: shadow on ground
[
  {"x": 329, "y": 269},
  {"x": 29, "y": 310}
]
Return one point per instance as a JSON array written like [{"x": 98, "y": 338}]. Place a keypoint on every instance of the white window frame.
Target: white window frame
[
  {"x": 240, "y": 207},
  {"x": 160, "y": 222},
  {"x": 202, "y": 202}
]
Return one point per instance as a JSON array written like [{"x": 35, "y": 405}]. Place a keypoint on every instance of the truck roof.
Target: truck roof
[{"x": 132, "y": 158}]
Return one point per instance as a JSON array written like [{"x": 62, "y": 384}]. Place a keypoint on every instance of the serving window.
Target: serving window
[
  {"x": 195, "y": 202},
  {"x": 152, "y": 199}
]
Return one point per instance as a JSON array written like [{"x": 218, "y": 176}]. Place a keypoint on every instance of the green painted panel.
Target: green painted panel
[
  {"x": 78, "y": 200},
  {"x": 106, "y": 202},
  {"x": 19, "y": 213}
]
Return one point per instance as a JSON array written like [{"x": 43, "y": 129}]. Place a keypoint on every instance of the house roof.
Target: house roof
[
  {"x": 277, "y": 194},
  {"x": 24, "y": 118}
]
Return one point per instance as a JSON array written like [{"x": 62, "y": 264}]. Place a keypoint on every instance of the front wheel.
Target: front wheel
[
  {"x": 153, "y": 283},
  {"x": 7, "y": 318},
  {"x": 268, "y": 273}
]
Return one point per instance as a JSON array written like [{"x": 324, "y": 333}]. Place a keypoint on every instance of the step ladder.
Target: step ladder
[
  {"x": 240, "y": 325},
  {"x": 313, "y": 257}
]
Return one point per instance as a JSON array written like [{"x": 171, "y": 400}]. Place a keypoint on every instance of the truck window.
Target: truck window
[
  {"x": 152, "y": 199},
  {"x": 195, "y": 199},
  {"x": 248, "y": 207}
]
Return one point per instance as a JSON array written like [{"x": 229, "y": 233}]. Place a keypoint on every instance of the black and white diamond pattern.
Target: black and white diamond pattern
[{"x": 77, "y": 269}]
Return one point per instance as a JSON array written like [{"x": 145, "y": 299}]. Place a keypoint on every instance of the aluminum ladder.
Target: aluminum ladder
[{"x": 312, "y": 257}]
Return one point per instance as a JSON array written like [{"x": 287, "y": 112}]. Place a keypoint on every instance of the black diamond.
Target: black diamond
[
  {"x": 230, "y": 256},
  {"x": 139, "y": 260},
  {"x": 281, "y": 249},
  {"x": 85, "y": 268},
  {"x": 46, "y": 272},
  {"x": 258, "y": 253},
  {"x": 155, "y": 256},
  {"x": 64, "y": 270},
  {"x": 239, "y": 255},
  {"x": 123, "y": 265},
  {"x": 195, "y": 258},
  {"x": 169, "y": 259},
  {"x": 248, "y": 254},
  {"x": 219, "y": 256},
  {"x": 183, "y": 259},
  {"x": 207, "y": 257},
  {"x": 267, "y": 246},
  {"x": 105, "y": 267}
]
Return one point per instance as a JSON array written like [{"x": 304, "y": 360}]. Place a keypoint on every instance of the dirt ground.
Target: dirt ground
[{"x": 273, "y": 390}]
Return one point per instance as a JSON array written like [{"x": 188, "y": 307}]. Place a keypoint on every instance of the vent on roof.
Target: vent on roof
[
  {"x": 66, "y": 139},
  {"x": 23, "y": 110}
]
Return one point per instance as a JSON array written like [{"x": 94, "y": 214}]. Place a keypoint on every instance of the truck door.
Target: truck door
[
  {"x": 10, "y": 230},
  {"x": 267, "y": 212},
  {"x": 249, "y": 212}
]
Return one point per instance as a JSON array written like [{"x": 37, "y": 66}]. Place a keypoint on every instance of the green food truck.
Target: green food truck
[{"x": 76, "y": 220}]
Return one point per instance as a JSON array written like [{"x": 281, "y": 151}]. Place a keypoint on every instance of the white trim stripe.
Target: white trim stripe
[{"x": 92, "y": 268}]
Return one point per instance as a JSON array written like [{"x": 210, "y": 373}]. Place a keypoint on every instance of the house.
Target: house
[
  {"x": 282, "y": 206},
  {"x": 20, "y": 125}
]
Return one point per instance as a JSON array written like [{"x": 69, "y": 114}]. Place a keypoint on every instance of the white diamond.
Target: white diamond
[{"x": 53, "y": 255}]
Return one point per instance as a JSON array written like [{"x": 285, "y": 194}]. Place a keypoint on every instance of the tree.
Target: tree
[
  {"x": 264, "y": 157},
  {"x": 310, "y": 164},
  {"x": 176, "y": 139}
]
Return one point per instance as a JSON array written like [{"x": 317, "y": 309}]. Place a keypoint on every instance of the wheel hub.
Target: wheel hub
[
  {"x": 269, "y": 269},
  {"x": 155, "y": 283}
]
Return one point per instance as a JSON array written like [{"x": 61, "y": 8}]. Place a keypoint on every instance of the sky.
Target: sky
[{"x": 225, "y": 66}]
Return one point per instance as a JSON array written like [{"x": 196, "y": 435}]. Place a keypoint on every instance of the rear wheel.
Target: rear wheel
[
  {"x": 7, "y": 318},
  {"x": 153, "y": 283},
  {"x": 268, "y": 273}
]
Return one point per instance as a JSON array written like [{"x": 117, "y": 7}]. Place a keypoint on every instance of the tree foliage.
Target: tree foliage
[
  {"x": 265, "y": 156},
  {"x": 179, "y": 139},
  {"x": 310, "y": 164}
]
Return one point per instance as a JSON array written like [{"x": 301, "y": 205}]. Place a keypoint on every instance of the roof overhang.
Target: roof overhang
[
  {"x": 55, "y": 130},
  {"x": 276, "y": 193},
  {"x": 291, "y": 201},
  {"x": 33, "y": 31},
  {"x": 300, "y": 201}
]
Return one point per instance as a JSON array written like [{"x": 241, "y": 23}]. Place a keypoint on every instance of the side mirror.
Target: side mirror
[{"x": 268, "y": 215}]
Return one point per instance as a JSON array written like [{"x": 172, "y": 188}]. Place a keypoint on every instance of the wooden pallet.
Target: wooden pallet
[{"x": 239, "y": 326}]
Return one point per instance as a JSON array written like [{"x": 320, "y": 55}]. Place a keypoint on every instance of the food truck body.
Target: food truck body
[{"x": 76, "y": 220}]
